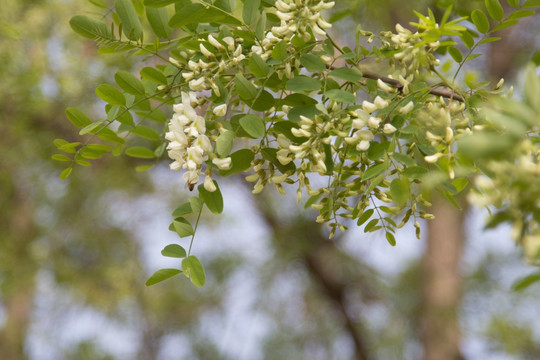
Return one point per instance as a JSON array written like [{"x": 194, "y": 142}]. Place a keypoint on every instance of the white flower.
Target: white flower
[
  {"x": 205, "y": 51},
  {"x": 384, "y": 86},
  {"x": 380, "y": 103},
  {"x": 197, "y": 85},
  {"x": 358, "y": 124},
  {"x": 209, "y": 184},
  {"x": 362, "y": 145},
  {"x": 407, "y": 108},
  {"x": 433, "y": 158},
  {"x": 212, "y": 40},
  {"x": 369, "y": 107},
  {"x": 191, "y": 177},
  {"x": 365, "y": 135},
  {"x": 220, "y": 110},
  {"x": 389, "y": 129},
  {"x": 374, "y": 122},
  {"x": 222, "y": 164},
  {"x": 229, "y": 41}
]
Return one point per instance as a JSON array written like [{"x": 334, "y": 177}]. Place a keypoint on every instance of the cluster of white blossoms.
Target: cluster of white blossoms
[
  {"x": 447, "y": 121},
  {"x": 365, "y": 123},
  {"x": 409, "y": 57},
  {"x": 298, "y": 15},
  {"x": 512, "y": 187},
  {"x": 215, "y": 56},
  {"x": 188, "y": 144}
]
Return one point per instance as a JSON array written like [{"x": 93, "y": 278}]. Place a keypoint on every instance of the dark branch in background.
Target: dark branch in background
[
  {"x": 332, "y": 288},
  {"x": 449, "y": 94}
]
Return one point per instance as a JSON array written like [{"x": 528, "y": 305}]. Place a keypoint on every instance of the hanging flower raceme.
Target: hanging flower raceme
[
  {"x": 188, "y": 145},
  {"x": 297, "y": 15}
]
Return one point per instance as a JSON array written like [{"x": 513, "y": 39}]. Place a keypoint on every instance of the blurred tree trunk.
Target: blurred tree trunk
[
  {"x": 318, "y": 255},
  {"x": 18, "y": 285},
  {"x": 442, "y": 283}
]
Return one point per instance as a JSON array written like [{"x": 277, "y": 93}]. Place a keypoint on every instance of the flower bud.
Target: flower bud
[{"x": 220, "y": 110}]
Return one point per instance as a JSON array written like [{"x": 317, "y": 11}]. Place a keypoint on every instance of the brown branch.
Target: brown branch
[
  {"x": 334, "y": 290},
  {"x": 449, "y": 94}
]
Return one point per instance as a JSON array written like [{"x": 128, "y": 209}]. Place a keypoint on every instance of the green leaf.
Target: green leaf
[
  {"x": 224, "y": 143},
  {"x": 196, "y": 204},
  {"x": 174, "y": 250},
  {"x": 99, "y": 3},
  {"x": 65, "y": 173},
  {"x": 513, "y": 3},
  {"x": 531, "y": 3},
  {"x": 162, "y": 274},
  {"x": 299, "y": 100},
  {"x": 489, "y": 40},
  {"x": 339, "y": 95},
  {"x": 153, "y": 75},
  {"x": 77, "y": 117},
  {"x": 536, "y": 58},
  {"x": 366, "y": 215},
  {"x": 495, "y": 9},
  {"x": 404, "y": 159},
  {"x": 146, "y": 132},
  {"x": 312, "y": 63},
  {"x": 129, "y": 83},
  {"x": 390, "y": 238},
  {"x": 346, "y": 74},
  {"x": 131, "y": 25},
  {"x": 455, "y": 53},
  {"x": 89, "y": 128},
  {"x": 246, "y": 90},
  {"x": 526, "y": 281},
  {"x": 521, "y": 14},
  {"x": 143, "y": 168},
  {"x": 194, "y": 270},
  {"x": 280, "y": 51},
  {"x": 250, "y": 11},
  {"x": 258, "y": 66},
  {"x": 90, "y": 28},
  {"x": 182, "y": 227},
  {"x": 505, "y": 24},
  {"x": 373, "y": 171},
  {"x": 60, "y": 157},
  {"x": 240, "y": 162},
  {"x": 371, "y": 225},
  {"x": 415, "y": 172},
  {"x": 110, "y": 94},
  {"x": 182, "y": 210},
  {"x": 400, "y": 190},
  {"x": 212, "y": 200},
  {"x": 480, "y": 20},
  {"x": 158, "y": 3},
  {"x": 303, "y": 83},
  {"x": 253, "y": 125},
  {"x": 199, "y": 14},
  {"x": 140, "y": 152},
  {"x": 263, "y": 101},
  {"x": 159, "y": 21}
]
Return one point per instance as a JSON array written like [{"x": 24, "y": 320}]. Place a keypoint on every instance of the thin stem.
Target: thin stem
[{"x": 195, "y": 230}]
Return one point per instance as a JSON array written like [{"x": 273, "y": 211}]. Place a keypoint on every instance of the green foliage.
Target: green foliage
[{"x": 265, "y": 91}]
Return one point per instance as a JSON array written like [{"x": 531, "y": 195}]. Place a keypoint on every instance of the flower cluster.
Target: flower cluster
[
  {"x": 365, "y": 123},
  {"x": 188, "y": 144},
  {"x": 215, "y": 56},
  {"x": 409, "y": 55},
  {"x": 298, "y": 15},
  {"x": 519, "y": 179}
]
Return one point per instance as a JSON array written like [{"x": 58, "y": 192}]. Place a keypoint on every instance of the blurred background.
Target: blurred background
[{"x": 74, "y": 255}]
